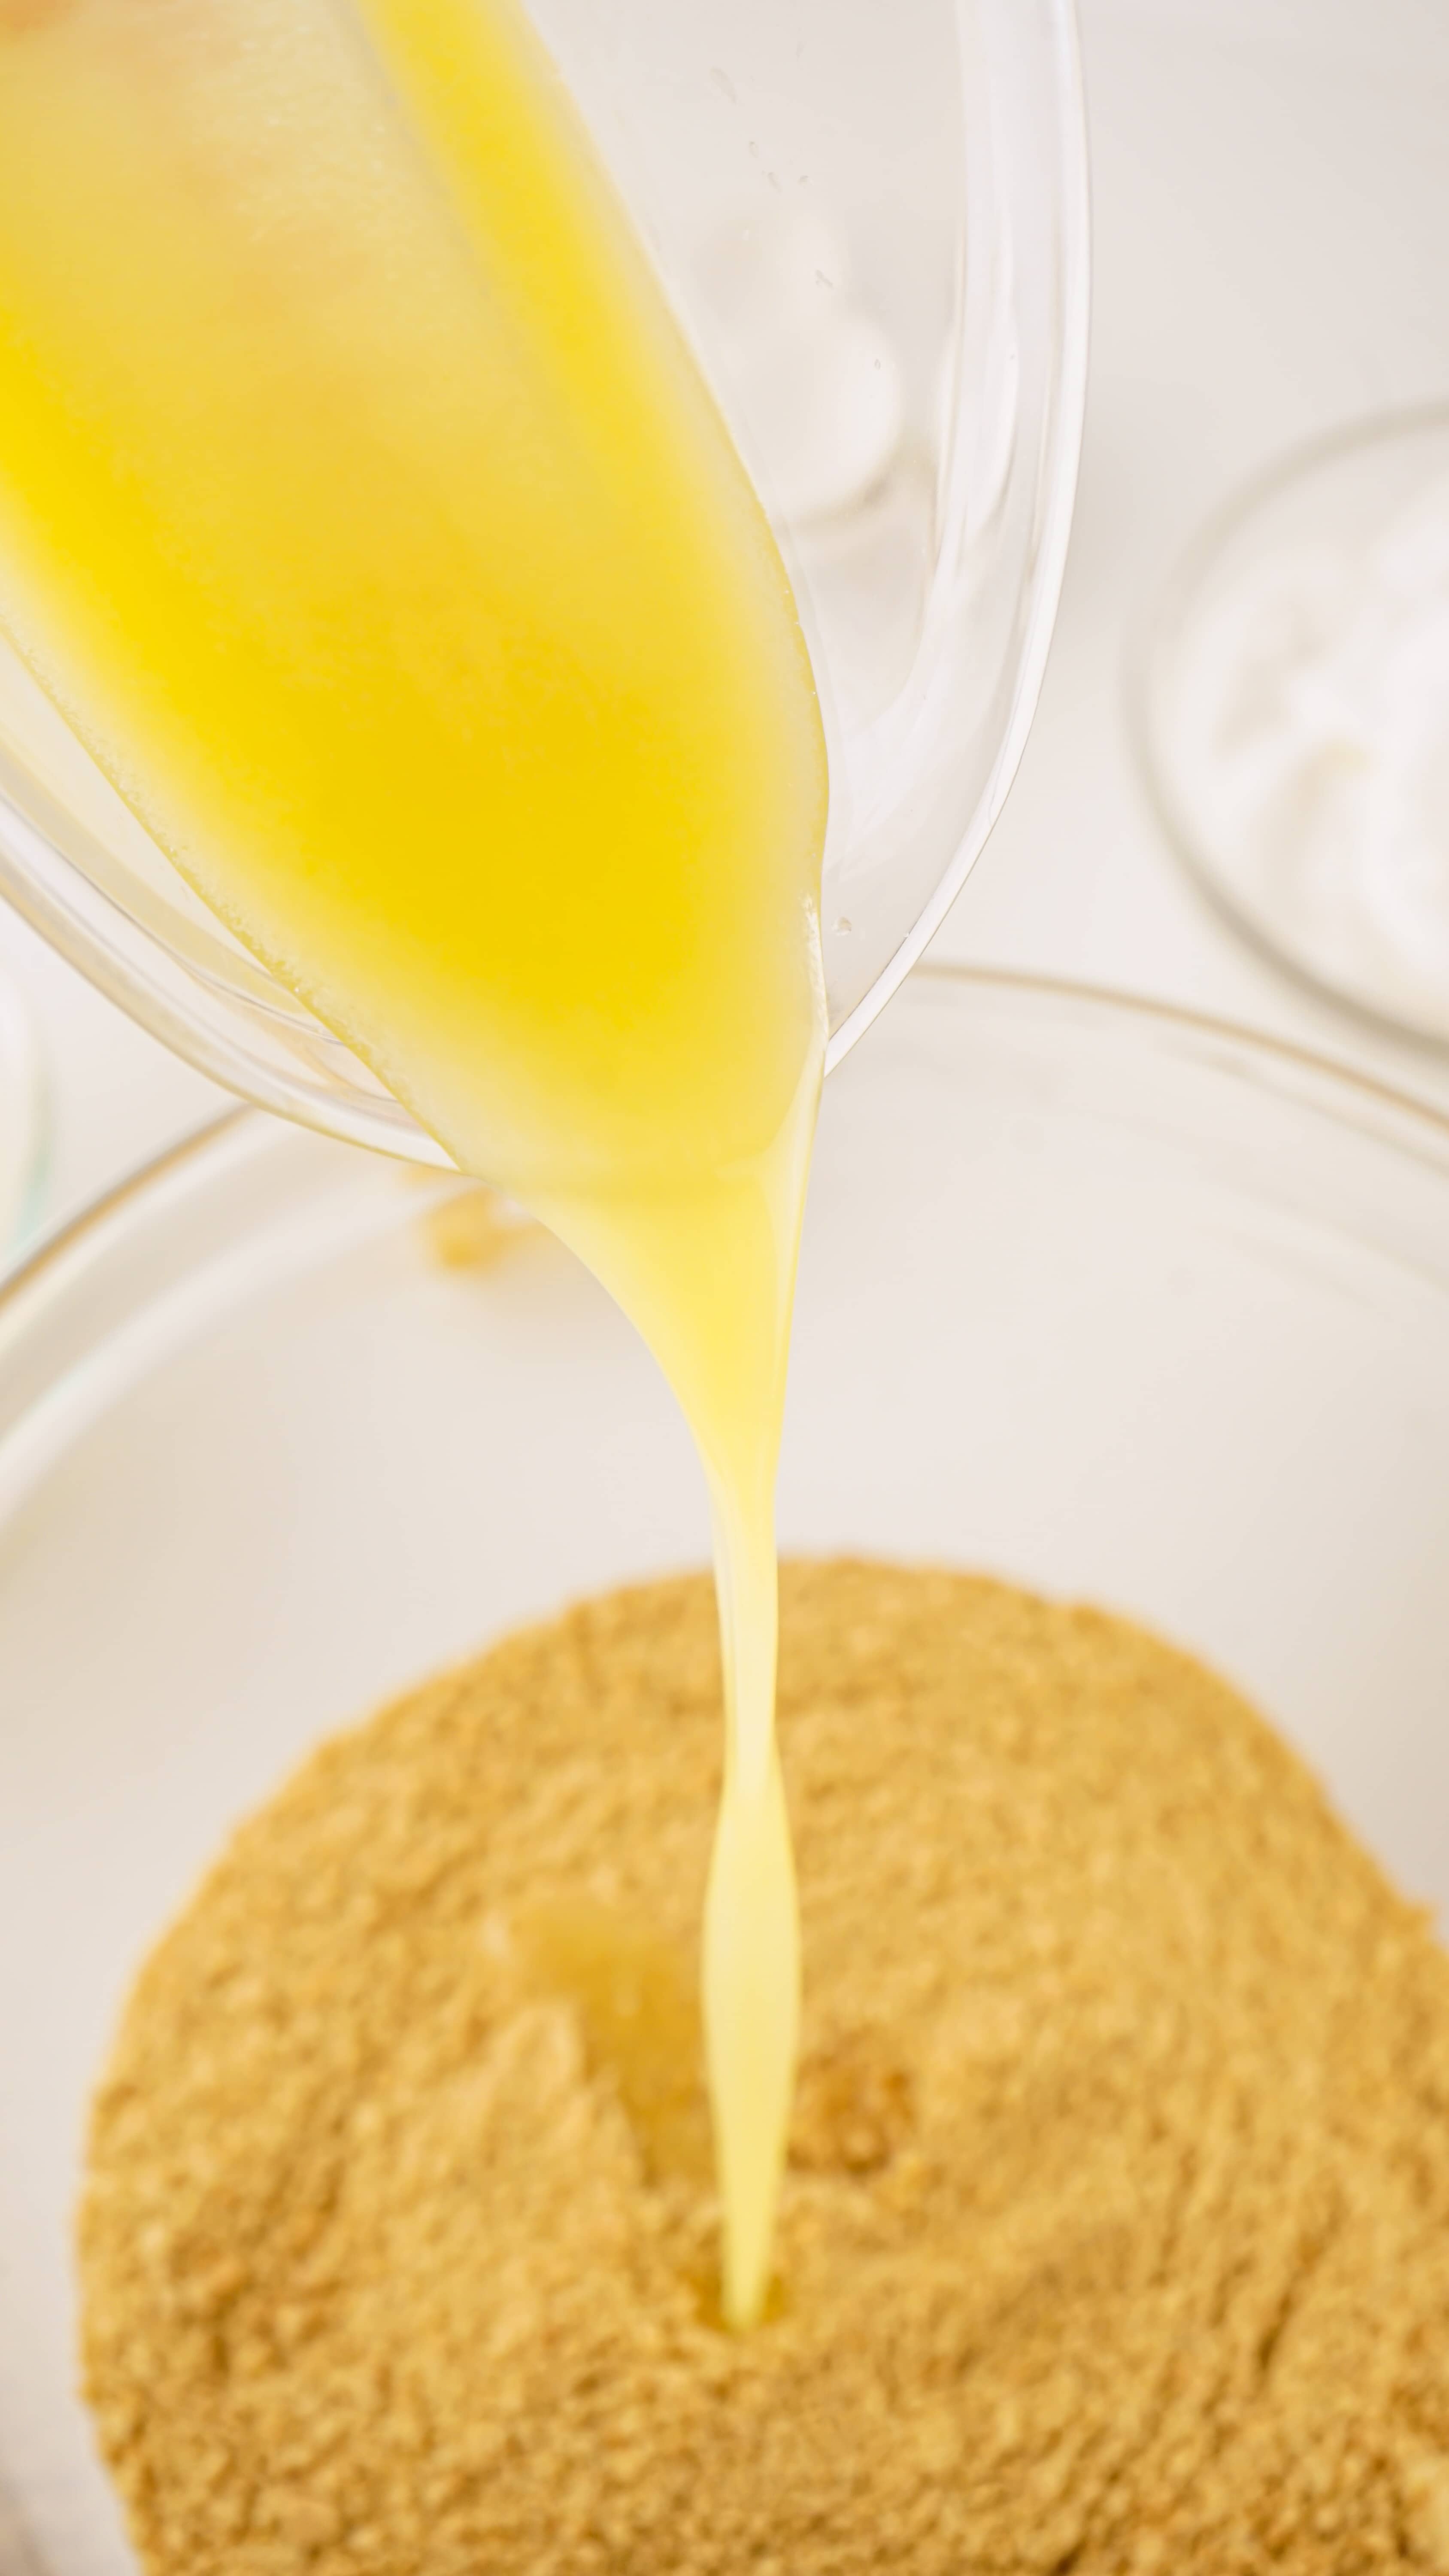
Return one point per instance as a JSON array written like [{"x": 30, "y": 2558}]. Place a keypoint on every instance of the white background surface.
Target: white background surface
[{"x": 1271, "y": 186}]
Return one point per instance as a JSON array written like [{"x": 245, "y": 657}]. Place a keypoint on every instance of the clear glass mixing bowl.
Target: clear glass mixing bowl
[
  {"x": 1116, "y": 1302},
  {"x": 22, "y": 1120},
  {"x": 872, "y": 225}
]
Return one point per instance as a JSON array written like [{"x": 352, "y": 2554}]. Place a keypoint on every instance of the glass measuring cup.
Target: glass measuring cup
[{"x": 872, "y": 226}]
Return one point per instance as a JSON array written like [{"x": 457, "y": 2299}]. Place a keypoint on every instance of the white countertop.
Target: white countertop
[{"x": 1271, "y": 187}]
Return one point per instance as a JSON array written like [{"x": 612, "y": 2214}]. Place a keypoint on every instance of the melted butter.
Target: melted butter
[
  {"x": 637, "y": 2002},
  {"x": 362, "y": 507}
]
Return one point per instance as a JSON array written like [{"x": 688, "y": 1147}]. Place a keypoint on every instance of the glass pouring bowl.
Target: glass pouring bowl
[
  {"x": 872, "y": 226},
  {"x": 1111, "y": 1301}
]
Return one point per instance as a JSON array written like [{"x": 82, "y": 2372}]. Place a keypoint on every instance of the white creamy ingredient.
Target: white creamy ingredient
[
  {"x": 816, "y": 381},
  {"x": 1310, "y": 739}
]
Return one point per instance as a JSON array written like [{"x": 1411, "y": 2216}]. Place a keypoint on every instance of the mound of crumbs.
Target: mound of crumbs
[{"x": 1115, "y": 2235}]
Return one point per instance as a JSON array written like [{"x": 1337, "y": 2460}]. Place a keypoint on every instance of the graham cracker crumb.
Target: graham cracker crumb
[
  {"x": 474, "y": 1228},
  {"x": 1116, "y": 2231}
]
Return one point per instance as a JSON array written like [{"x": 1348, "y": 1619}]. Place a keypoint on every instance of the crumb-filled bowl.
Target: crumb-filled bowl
[{"x": 1117, "y": 1303}]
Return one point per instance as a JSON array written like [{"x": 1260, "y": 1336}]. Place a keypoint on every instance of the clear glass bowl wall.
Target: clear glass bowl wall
[{"x": 1116, "y": 1303}]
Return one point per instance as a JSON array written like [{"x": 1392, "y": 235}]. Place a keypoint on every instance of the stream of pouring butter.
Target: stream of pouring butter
[
  {"x": 363, "y": 509},
  {"x": 711, "y": 1285}
]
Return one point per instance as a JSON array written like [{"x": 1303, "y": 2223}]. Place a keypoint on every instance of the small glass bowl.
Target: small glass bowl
[
  {"x": 1288, "y": 700},
  {"x": 1115, "y": 1302}
]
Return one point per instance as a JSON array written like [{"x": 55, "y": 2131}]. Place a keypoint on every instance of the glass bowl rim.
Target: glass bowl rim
[{"x": 1335, "y": 1091}]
